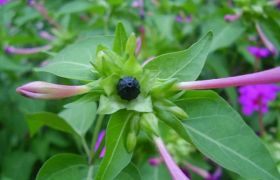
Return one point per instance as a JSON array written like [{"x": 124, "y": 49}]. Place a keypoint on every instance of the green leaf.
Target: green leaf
[
  {"x": 130, "y": 172},
  {"x": 18, "y": 165},
  {"x": 73, "y": 62},
  {"x": 132, "y": 68},
  {"x": 37, "y": 120},
  {"x": 115, "y": 2},
  {"x": 110, "y": 105},
  {"x": 89, "y": 97},
  {"x": 147, "y": 79},
  {"x": 141, "y": 104},
  {"x": 116, "y": 156},
  {"x": 120, "y": 39},
  {"x": 80, "y": 118},
  {"x": 225, "y": 33},
  {"x": 185, "y": 65},
  {"x": 219, "y": 132},
  {"x": 81, "y": 6},
  {"x": 64, "y": 166}
]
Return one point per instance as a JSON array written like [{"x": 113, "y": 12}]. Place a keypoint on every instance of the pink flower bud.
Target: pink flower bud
[
  {"x": 230, "y": 17},
  {"x": 46, "y": 35},
  {"x": 175, "y": 172},
  {"x": 155, "y": 161},
  {"x": 148, "y": 60},
  {"x": 138, "y": 47},
  {"x": 265, "y": 40},
  {"x": 14, "y": 50},
  {"x": 46, "y": 91},
  {"x": 264, "y": 77}
]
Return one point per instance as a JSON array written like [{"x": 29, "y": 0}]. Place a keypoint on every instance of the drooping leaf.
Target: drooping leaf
[
  {"x": 38, "y": 120},
  {"x": 110, "y": 105},
  {"x": 225, "y": 33},
  {"x": 219, "y": 132},
  {"x": 116, "y": 157},
  {"x": 80, "y": 118},
  {"x": 141, "y": 104},
  {"x": 64, "y": 166},
  {"x": 120, "y": 39},
  {"x": 185, "y": 65},
  {"x": 73, "y": 62},
  {"x": 130, "y": 172}
]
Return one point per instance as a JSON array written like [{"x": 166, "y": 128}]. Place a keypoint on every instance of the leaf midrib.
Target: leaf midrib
[{"x": 114, "y": 150}]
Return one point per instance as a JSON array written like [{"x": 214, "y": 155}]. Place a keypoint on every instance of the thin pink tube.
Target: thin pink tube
[{"x": 264, "y": 77}]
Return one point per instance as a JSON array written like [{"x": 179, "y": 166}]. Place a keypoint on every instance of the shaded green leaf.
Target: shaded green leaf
[
  {"x": 120, "y": 39},
  {"x": 89, "y": 97},
  {"x": 220, "y": 133},
  {"x": 38, "y": 120},
  {"x": 80, "y": 118},
  {"x": 185, "y": 65},
  {"x": 130, "y": 172},
  {"x": 81, "y": 6}
]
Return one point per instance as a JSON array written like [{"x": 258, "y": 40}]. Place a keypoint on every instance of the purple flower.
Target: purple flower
[
  {"x": 155, "y": 161},
  {"x": 46, "y": 35},
  {"x": 99, "y": 139},
  {"x": 258, "y": 52},
  {"x": 9, "y": 24},
  {"x": 30, "y": 2},
  {"x": 181, "y": 19},
  {"x": 2, "y": 2},
  {"x": 256, "y": 97},
  {"x": 230, "y": 17},
  {"x": 139, "y": 4}
]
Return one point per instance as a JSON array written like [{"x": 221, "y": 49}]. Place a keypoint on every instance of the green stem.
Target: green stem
[
  {"x": 99, "y": 150},
  {"x": 84, "y": 143},
  {"x": 95, "y": 135},
  {"x": 106, "y": 19},
  {"x": 89, "y": 175}
]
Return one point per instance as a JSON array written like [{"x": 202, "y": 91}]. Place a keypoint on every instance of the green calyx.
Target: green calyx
[{"x": 124, "y": 84}]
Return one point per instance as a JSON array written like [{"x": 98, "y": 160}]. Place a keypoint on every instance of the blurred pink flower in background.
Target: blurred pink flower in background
[
  {"x": 181, "y": 19},
  {"x": 256, "y": 97},
  {"x": 230, "y": 17},
  {"x": 2, "y": 2},
  {"x": 258, "y": 52},
  {"x": 99, "y": 139},
  {"x": 266, "y": 41},
  {"x": 14, "y": 50},
  {"x": 155, "y": 161}
]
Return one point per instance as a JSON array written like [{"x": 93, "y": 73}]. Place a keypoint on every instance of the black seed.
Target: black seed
[{"x": 128, "y": 88}]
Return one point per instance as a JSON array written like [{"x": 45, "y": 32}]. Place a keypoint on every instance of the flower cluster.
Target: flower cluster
[
  {"x": 256, "y": 97},
  {"x": 258, "y": 52}
]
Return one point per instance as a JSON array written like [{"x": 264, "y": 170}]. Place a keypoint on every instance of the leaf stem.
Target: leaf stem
[
  {"x": 85, "y": 146},
  {"x": 89, "y": 175},
  {"x": 95, "y": 136}
]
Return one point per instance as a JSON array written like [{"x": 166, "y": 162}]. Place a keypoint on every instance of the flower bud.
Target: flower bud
[
  {"x": 149, "y": 123},
  {"x": 163, "y": 89},
  {"x": 131, "y": 44},
  {"x": 135, "y": 124},
  {"x": 131, "y": 142},
  {"x": 46, "y": 91},
  {"x": 178, "y": 112}
]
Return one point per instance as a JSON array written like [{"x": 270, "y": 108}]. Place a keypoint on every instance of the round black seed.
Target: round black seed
[{"x": 128, "y": 88}]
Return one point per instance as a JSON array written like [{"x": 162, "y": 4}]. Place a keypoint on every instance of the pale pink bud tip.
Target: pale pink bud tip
[
  {"x": 45, "y": 91},
  {"x": 266, "y": 41},
  {"x": 229, "y": 17},
  {"x": 46, "y": 35},
  {"x": 155, "y": 161}
]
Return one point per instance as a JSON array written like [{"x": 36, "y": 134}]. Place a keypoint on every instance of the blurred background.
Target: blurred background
[{"x": 31, "y": 32}]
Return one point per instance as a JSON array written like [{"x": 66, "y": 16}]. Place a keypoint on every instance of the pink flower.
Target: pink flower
[
  {"x": 230, "y": 17},
  {"x": 265, "y": 40},
  {"x": 148, "y": 60},
  {"x": 138, "y": 47},
  {"x": 256, "y": 97},
  {"x": 2, "y": 2},
  {"x": 45, "y": 91},
  {"x": 181, "y": 19},
  {"x": 99, "y": 139},
  {"x": 46, "y": 35},
  {"x": 258, "y": 52},
  {"x": 155, "y": 161},
  {"x": 14, "y": 50}
]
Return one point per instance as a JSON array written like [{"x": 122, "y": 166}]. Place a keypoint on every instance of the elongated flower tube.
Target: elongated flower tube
[
  {"x": 230, "y": 17},
  {"x": 264, "y": 39},
  {"x": 46, "y": 35},
  {"x": 175, "y": 172},
  {"x": 205, "y": 174},
  {"x": 2, "y": 2},
  {"x": 276, "y": 2},
  {"x": 148, "y": 60},
  {"x": 14, "y": 50},
  {"x": 45, "y": 91},
  {"x": 138, "y": 47},
  {"x": 264, "y": 77}
]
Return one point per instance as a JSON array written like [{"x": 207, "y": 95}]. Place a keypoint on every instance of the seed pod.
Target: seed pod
[{"x": 128, "y": 88}]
